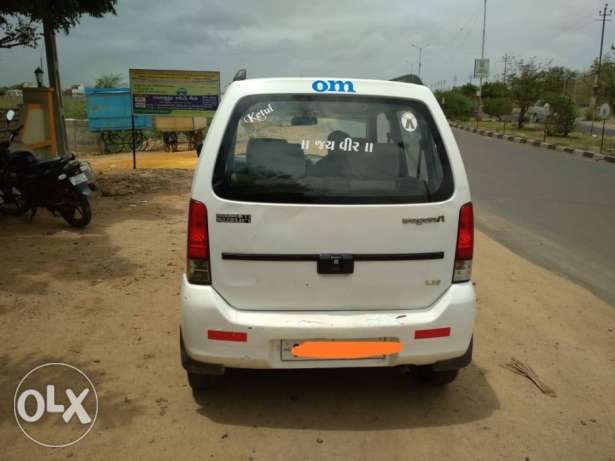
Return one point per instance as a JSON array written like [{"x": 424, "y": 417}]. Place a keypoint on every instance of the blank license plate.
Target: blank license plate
[
  {"x": 78, "y": 179},
  {"x": 287, "y": 346}
]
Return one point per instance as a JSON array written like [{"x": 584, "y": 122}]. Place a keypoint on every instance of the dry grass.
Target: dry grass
[{"x": 536, "y": 132}]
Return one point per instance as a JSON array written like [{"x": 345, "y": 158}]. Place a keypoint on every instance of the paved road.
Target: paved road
[
  {"x": 585, "y": 127},
  {"x": 556, "y": 210}
]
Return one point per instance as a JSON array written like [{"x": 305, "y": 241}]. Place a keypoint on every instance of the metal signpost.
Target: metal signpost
[
  {"x": 605, "y": 112},
  {"x": 481, "y": 72},
  {"x": 547, "y": 110},
  {"x": 173, "y": 93}
]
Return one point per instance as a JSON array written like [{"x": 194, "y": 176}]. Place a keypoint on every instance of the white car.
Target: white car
[{"x": 330, "y": 225}]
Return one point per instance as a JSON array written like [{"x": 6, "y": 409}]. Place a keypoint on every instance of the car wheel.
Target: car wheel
[
  {"x": 202, "y": 382},
  {"x": 436, "y": 378}
]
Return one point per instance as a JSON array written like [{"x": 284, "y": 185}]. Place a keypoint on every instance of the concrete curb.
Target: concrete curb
[{"x": 586, "y": 154}]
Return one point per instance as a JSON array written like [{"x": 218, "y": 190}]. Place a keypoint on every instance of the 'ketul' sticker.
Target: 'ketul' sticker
[{"x": 409, "y": 122}]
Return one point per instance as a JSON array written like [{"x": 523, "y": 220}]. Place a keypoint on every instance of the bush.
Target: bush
[
  {"x": 497, "y": 107},
  {"x": 588, "y": 113},
  {"x": 456, "y": 106},
  {"x": 563, "y": 115}
]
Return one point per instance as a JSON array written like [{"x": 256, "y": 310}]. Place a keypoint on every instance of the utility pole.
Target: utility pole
[
  {"x": 482, "y": 53},
  {"x": 505, "y": 67},
  {"x": 482, "y": 57},
  {"x": 420, "y": 48},
  {"x": 604, "y": 14}
]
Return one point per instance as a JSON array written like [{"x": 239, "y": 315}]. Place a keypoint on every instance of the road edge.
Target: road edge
[{"x": 586, "y": 154}]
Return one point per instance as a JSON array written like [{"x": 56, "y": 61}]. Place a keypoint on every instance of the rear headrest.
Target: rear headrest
[
  {"x": 275, "y": 157},
  {"x": 383, "y": 163}
]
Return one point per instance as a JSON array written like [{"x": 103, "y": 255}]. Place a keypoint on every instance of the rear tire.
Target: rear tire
[
  {"x": 202, "y": 382},
  {"x": 13, "y": 204},
  {"x": 436, "y": 378},
  {"x": 78, "y": 213}
]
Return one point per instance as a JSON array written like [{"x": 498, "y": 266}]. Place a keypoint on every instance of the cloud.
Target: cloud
[{"x": 355, "y": 38}]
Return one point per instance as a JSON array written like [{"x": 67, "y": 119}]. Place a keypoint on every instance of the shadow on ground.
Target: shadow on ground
[
  {"x": 45, "y": 249},
  {"x": 346, "y": 399}
]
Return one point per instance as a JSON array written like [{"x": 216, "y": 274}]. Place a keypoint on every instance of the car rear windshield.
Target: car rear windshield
[{"x": 332, "y": 150}]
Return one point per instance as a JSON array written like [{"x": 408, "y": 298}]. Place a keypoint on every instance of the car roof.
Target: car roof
[{"x": 305, "y": 85}]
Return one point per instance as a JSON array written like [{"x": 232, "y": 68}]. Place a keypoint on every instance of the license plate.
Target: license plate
[
  {"x": 78, "y": 179},
  {"x": 287, "y": 346}
]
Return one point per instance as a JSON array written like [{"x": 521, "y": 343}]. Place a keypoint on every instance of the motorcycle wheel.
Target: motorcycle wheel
[
  {"x": 12, "y": 203},
  {"x": 77, "y": 213}
]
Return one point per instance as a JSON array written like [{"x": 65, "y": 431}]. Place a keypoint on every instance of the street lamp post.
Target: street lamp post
[{"x": 38, "y": 73}]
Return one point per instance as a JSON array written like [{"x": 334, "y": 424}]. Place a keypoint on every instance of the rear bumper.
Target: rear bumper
[{"x": 203, "y": 309}]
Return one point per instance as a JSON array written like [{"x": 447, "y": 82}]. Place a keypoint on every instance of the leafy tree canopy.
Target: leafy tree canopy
[
  {"x": 60, "y": 14},
  {"x": 17, "y": 30},
  {"x": 109, "y": 81}
]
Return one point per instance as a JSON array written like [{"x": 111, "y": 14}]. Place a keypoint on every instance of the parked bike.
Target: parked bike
[{"x": 61, "y": 185}]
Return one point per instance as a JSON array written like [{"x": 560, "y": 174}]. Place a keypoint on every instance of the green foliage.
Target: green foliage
[
  {"x": 59, "y": 14},
  {"x": 498, "y": 106},
  {"x": 558, "y": 80},
  {"x": 17, "y": 30},
  {"x": 109, "y": 81},
  {"x": 456, "y": 105},
  {"x": 74, "y": 107},
  {"x": 588, "y": 113},
  {"x": 526, "y": 86},
  {"x": 562, "y": 116},
  {"x": 467, "y": 90},
  {"x": 606, "y": 88},
  {"x": 495, "y": 90}
]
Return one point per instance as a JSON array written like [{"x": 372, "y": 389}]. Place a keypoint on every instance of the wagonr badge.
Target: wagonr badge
[{"x": 420, "y": 221}]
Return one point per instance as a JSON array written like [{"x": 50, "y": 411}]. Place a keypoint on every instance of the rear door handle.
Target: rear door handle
[{"x": 335, "y": 264}]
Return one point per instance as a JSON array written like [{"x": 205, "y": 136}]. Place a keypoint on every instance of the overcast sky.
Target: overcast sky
[{"x": 343, "y": 38}]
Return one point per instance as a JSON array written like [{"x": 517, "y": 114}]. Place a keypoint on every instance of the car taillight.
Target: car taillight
[
  {"x": 465, "y": 245},
  {"x": 198, "y": 270}
]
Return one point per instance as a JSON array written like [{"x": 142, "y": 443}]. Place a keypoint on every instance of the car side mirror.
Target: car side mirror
[{"x": 10, "y": 115}]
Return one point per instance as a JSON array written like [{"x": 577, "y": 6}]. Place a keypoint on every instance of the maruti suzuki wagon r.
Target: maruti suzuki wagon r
[{"x": 330, "y": 225}]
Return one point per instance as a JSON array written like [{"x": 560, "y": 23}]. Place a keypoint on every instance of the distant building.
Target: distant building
[
  {"x": 14, "y": 93},
  {"x": 29, "y": 84},
  {"x": 75, "y": 90}
]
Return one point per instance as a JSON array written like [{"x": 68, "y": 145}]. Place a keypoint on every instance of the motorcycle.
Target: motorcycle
[{"x": 61, "y": 185}]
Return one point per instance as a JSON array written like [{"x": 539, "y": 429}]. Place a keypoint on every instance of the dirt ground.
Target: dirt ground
[{"x": 105, "y": 299}]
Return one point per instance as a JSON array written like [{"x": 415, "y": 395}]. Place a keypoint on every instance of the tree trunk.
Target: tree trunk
[
  {"x": 521, "y": 118},
  {"x": 53, "y": 72}
]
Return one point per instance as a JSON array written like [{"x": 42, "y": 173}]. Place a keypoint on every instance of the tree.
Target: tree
[
  {"x": 498, "y": 107},
  {"x": 60, "y": 14},
  {"x": 606, "y": 83},
  {"x": 495, "y": 90},
  {"x": 56, "y": 15},
  {"x": 562, "y": 115},
  {"x": 467, "y": 90},
  {"x": 558, "y": 80},
  {"x": 456, "y": 105},
  {"x": 109, "y": 81},
  {"x": 526, "y": 86},
  {"x": 17, "y": 30}
]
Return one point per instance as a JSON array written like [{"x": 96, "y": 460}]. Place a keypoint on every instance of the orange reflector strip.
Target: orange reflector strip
[
  {"x": 345, "y": 349},
  {"x": 218, "y": 335},
  {"x": 434, "y": 333}
]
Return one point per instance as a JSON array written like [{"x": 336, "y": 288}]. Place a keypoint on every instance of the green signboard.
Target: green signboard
[{"x": 176, "y": 93}]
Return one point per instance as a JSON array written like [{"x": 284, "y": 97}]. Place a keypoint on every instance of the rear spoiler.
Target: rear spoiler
[
  {"x": 409, "y": 78},
  {"x": 241, "y": 74}
]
